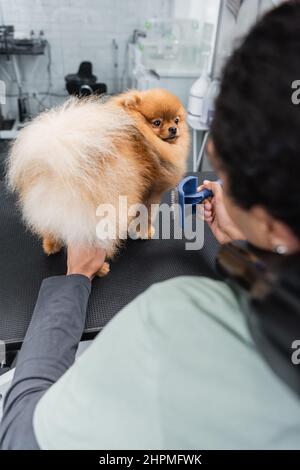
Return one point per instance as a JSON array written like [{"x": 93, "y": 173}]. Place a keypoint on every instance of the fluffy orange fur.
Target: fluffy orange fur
[{"x": 88, "y": 152}]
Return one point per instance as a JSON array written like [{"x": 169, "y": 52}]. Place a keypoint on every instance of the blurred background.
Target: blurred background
[{"x": 50, "y": 49}]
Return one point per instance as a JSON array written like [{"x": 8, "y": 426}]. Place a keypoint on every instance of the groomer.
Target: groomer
[{"x": 177, "y": 368}]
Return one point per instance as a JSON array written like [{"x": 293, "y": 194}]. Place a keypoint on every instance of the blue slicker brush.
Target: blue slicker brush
[{"x": 187, "y": 195}]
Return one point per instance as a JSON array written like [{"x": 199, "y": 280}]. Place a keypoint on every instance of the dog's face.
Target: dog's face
[{"x": 161, "y": 109}]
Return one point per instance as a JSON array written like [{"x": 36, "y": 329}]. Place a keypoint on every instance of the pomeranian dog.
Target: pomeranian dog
[{"x": 88, "y": 152}]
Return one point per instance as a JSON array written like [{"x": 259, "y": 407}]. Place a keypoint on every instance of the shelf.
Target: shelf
[
  {"x": 25, "y": 47},
  {"x": 12, "y": 133}
]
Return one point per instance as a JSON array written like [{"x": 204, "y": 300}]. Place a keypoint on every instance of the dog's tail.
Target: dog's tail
[
  {"x": 54, "y": 160},
  {"x": 69, "y": 141}
]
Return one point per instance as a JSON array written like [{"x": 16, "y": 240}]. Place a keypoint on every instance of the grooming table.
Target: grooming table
[{"x": 23, "y": 266}]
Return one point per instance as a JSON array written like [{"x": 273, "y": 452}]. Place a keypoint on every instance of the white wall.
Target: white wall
[
  {"x": 196, "y": 9},
  {"x": 77, "y": 30}
]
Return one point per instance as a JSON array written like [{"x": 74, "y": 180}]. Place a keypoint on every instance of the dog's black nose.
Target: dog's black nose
[{"x": 173, "y": 130}]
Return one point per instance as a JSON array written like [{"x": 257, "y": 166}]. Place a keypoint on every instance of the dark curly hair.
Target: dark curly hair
[{"x": 256, "y": 128}]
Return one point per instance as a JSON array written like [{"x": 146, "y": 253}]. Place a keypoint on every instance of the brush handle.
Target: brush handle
[
  {"x": 198, "y": 197},
  {"x": 188, "y": 194}
]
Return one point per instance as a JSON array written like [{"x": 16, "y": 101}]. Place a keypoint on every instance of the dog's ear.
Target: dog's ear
[
  {"x": 182, "y": 113},
  {"x": 132, "y": 99}
]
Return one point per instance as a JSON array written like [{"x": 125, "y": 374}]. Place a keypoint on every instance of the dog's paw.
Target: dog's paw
[
  {"x": 104, "y": 270},
  {"x": 151, "y": 232},
  {"x": 51, "y": 246},
  {"x": 145, "y": 235}
]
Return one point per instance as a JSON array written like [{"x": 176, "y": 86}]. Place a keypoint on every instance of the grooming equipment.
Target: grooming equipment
[
  {"x": 84, "y": 83},
  {"x": 186, "y": 194}
]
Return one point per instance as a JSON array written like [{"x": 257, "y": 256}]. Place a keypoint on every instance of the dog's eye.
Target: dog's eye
[
  {"x": 177, "y": 120},
  {"x": 156, "y": 123}
]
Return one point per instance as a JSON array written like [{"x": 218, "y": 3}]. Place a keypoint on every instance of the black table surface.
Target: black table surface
[{"x": 141, "y": 263}]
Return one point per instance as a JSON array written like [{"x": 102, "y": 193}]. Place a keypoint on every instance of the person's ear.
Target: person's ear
[{"x": 277, "y": 234}]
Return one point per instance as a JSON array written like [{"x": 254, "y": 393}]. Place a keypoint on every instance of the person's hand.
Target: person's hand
[
  {"x": 217, "y": 217},
  {"x": 85, "y": 261}
]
